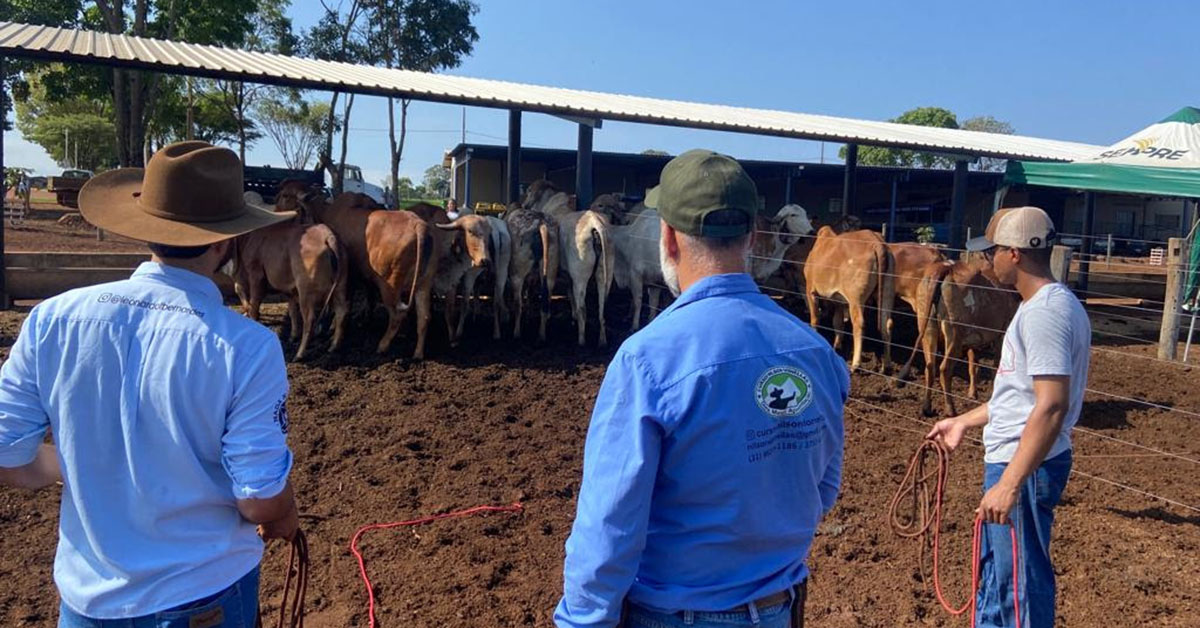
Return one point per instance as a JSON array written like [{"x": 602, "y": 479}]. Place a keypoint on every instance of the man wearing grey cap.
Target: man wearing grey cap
[
  {"x": 715, "y": 446},
  {"x": 1036, "y": 400}
]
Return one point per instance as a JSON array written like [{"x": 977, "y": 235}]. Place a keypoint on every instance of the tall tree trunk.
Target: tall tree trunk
[
  {"x": 240, "y": 100},
  {"x": 404, "y": 102},
  {"x": 339, "y": 184},
  {"x": 392, "y": 152}
]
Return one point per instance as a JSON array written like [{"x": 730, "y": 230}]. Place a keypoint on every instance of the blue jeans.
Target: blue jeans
[
  {"x": 235, "y": 607},
  {"x": 777, "y": 616},
  {"x": 1033, "y": 516}
]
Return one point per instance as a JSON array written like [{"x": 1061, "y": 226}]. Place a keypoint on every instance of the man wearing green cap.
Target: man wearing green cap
[{"x": 715, "y": 446}]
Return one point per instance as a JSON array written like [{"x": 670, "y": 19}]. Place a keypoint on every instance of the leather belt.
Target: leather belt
[{"x": 775, "y": 599}]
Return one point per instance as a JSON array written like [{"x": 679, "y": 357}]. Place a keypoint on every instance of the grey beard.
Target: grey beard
[{"x": 669, "y": 272}]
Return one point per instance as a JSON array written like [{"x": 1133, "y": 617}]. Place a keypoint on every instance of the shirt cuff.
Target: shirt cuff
[
  {"x": 21, "y": 451},
  {"x": 1047, "y": 370},
  {"x": 265, "y": 487}
]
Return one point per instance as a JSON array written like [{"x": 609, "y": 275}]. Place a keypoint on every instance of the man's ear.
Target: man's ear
[{"x": 670, "y": 240}]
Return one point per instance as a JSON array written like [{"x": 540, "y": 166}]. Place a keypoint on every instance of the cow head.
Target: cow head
[
  {"x": 476, "y": 238},
  {"x": 792, "y": 224},
  {"x": 536, "y": 191},
  {"x": 611, "y": 207}
]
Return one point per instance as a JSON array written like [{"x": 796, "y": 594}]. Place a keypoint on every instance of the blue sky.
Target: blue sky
[{"x": 1082, "y": 71}]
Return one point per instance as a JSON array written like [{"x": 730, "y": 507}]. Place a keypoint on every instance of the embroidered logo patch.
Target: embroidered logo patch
[
  {"x": 783, "y": 391},
  {"x": 281, "y": 414}
]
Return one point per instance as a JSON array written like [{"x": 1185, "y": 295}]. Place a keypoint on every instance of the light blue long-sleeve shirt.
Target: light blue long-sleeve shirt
[
  {"x": 714, "y": 449},
  {"x": 166, "y": 407}
]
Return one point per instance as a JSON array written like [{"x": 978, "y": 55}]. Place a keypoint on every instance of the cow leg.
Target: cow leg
[
  {"x": 254, "y": 310},
  {"x": 579, "y": 307},
  {"x": 972, "y": 369},
  {"x": 856, "y": 327},
  {"x": 518, "y": 290},
  {"x": 468, "y": 293},
  {"x": 635, "y": 286},
  {"x": 309, "y": 309},
  {"x": 601, "y": 296},
  {"x": 341, "y": 308},
  {"x": 947, "y": 368},
  {"x": 839, "y": 326},
  {"x": 395, "y": 316},
  {"x": 929, "y": 347},
  {"x": 451, "y": 310},
  {"x": 544, "y": 307},
  {"x": 424, "y": 313},
  {"x": 294, "y": 319},
  {"x": 655, "y": 295}
]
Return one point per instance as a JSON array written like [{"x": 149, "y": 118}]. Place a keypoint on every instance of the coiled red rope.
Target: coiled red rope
[
  {"x": 362, "y": 565},
  {"x": 924, "y": 521}
]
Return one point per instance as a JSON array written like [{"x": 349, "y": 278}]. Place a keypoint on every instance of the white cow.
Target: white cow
[
  {"x": 775, "y": 236},
  {"x": 585, "y": 246},
  {"x": 638, "y": 264},
  {"x": 500, "y": 244}
]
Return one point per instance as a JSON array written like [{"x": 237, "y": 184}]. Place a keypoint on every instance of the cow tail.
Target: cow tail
[
  {"x": 331, "y": 242},
  {"x": 542, "y": 252},
  {"x": 601, "y": 245},
  {"x": 933, "y": 298},
  {"x": 424, "y": 251}
]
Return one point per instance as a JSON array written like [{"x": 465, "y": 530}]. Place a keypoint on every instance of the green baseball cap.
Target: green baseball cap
[{"x": 696, "y": 184}]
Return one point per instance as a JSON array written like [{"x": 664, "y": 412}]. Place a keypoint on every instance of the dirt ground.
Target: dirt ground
[
  {"x": 381, "y": 439},
  {"x": 384, "y": 439},
  {"x": 40, "y": 233}
]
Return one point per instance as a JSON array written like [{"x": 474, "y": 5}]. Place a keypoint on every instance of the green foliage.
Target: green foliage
[
  {"x": 437, "y": 180},
  {"x": 921, "y": 116},
  {"x": 296, "y": 126},
  {"x": 988, "y": 124},
  {"x": 47, "y": 115},
  {"x": 924, "y": 234},
  {"x": 48, "y": 12}
]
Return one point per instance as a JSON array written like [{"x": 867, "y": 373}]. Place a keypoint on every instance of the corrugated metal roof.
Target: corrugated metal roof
[{"x": 46, "y": 43}]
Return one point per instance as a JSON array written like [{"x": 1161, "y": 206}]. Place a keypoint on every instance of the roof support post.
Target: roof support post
[
  {"x": 583, "y": 169},
  {"x": 514, "y": 156},
  {"x": 848, "y": 185},
  {"x": 787, "y": 185},
  {"x": 465, "y": 207},
  {"x": 1168, "y": 335},
  {"x": 958, "y": 205},
  {"x": 1089, "y": 220},
  {"x": 891, "y": 224},
  {"x": 4, "y": 301}
]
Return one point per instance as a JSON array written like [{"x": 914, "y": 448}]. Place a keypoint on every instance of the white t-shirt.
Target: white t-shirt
[{"x": 1049, "y": 335}]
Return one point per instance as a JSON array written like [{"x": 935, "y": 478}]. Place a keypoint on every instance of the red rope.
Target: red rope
[
  {"x": 362, "y": 565},
  {"x": 926, "y": 520}
]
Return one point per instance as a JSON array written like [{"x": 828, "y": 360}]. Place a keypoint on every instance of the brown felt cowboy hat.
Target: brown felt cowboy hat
[{"x": 189, "y": 194}]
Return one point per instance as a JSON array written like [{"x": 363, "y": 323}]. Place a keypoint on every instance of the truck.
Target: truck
[
  {"x": 265, "y": 180},
  {"x": 66, "y": 186},
  {"x": 352, "y": 181}
]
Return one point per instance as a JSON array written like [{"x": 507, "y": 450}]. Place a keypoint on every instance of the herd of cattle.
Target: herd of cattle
[{"x": 411, "y": 257}]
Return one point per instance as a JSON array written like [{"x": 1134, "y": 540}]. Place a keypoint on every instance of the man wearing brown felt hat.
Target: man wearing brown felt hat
[{"x": 167, "y": 409}]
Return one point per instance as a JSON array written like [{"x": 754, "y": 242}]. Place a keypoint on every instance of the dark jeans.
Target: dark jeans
[
  {"x": 788, "y": 614},
  {"x": 235, "y": 607},
  {"x": 1033, "y": 516}
]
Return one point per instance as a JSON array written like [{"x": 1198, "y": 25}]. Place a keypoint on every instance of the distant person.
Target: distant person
[
  {"x": 715, "y": 446},
  {"x": 452, "y": 209},
  {"x": 167, "y": 409},
  {"x": 1036, "y": 400}
]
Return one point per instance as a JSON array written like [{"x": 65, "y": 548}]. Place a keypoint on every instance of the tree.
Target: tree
[
  {"x": 75, "y": 130},
  {"x": 419, "y": 35},
  {"x": 437, "y": 180},
  {"x": 921, "y": 116},
  {"x": 654, "y": 152},
  {"x": 296, "y": 126},
  {"x": 336, "y": 38},
  {"x": 988, "y": 124},
  {"x": 135, "y": 93},
  {"x": 270, "y": 31}
]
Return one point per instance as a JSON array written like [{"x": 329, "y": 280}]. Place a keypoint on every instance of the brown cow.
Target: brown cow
[
  {"x": 971, "y": 311},
  {"x": 393, "y": 250},
  {"x": 910, "y": 260},
  {"x": 461, "y": 245},
  {"x": 305, "y": 262},
  {"x": 852, "y": 266}
]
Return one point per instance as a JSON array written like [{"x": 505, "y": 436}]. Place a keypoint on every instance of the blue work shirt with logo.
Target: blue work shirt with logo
[
  {"x": 166, "y": 407},
  {"x": 714, "y": 449}
]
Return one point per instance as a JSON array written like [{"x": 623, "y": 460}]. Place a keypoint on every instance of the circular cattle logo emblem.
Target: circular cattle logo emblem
[{"x": 783, "y": 391}]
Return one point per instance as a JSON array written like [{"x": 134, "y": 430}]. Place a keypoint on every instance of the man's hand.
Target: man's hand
[
  {"x": 284, "y": 528},
  {"x": 948, "y": 432},
  {"x": 997, "y": 503}
]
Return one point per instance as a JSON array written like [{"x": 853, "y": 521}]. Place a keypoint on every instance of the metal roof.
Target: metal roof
[{"x": 69, "y": 45}]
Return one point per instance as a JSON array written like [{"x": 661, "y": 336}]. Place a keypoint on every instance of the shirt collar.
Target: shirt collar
[
  {"x": 714, "y": 286},
  {"x": 185, "y": 280}
]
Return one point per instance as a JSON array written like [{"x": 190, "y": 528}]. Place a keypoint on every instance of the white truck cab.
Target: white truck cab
[{"x": 352, "y": 181}]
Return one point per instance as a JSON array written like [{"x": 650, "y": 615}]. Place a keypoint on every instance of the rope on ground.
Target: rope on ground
[
  {"x": 924, "y": 522},
  {"x": 362, "y": 565}
]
